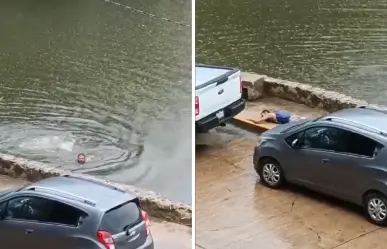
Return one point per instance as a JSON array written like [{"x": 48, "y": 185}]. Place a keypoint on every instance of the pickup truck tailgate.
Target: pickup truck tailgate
[{"x": 216, "y": 88}]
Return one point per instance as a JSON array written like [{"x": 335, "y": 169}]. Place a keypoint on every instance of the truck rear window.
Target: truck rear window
[{"x": 121, "y": 218}]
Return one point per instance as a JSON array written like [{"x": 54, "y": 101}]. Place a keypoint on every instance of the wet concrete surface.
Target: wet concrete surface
[
  {"x": 233, "y": 210},
  {"x": 169, "y": 235},
  {"x": 254, "y": 108},
  {"x": 165, "y": 234},
  {"x": 272, "y": 104}
]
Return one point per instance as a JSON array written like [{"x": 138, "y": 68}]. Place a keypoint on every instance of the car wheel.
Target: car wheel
[
  {"x": 376, "y": 208},
  {"x": 270, "y": 172}
]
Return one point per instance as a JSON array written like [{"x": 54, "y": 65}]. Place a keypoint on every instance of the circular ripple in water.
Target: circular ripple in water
[
  {"x": 89, "y": 76},
  {"x": 55, "y": 134}
]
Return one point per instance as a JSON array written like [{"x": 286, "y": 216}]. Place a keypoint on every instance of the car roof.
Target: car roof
[
  {"x": 87, "y": 190},
  {"x": 362, "y": 116}
]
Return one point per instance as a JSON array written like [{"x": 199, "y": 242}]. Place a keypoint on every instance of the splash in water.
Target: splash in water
[{"x": 49, "y": 143}]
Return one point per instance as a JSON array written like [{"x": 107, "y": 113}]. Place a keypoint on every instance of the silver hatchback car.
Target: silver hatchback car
[
  {"x": 342, "y": 154},
  {"x": 70, "y": 212}
]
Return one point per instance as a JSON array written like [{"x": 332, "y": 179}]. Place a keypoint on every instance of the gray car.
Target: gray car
[
  {"x": 342, "y": 154},
  {"x": 70, "y": 212}
]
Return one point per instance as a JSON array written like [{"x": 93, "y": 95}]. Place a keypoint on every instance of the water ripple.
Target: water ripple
[
  {"x": 89, "y": 76},
  {"x": 328, "y": 44}
]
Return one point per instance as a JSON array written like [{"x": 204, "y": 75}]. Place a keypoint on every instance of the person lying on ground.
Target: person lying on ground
[{"x": 277, "y": 117}]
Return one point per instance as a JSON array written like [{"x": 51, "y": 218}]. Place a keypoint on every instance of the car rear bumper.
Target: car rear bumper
[{"x": 211, "y": 121}]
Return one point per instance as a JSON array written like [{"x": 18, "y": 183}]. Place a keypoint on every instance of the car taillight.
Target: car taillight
[
  {"x": 197, "y": 110},
  {"x": 240, "y": 85},
  {"x": 106, "y": 239},
  {"x": 145, "y": 217}
]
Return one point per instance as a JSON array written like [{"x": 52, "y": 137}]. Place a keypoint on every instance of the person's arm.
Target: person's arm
[{"x": 269, "y": 117}]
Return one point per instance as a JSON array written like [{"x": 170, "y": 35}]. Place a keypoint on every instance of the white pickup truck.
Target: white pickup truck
[{"x": 218, "y": 96}]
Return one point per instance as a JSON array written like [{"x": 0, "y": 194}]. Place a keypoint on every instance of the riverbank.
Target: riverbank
[
  {"x": 156, "y": 205},
  {"x": 263, "y": 92},
  {"x": 261, "y": 86}
]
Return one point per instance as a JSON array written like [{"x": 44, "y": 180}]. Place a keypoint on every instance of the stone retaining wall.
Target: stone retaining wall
[
  {"x": 259, "y": 86},
  {"x": 153, "y": 203}
]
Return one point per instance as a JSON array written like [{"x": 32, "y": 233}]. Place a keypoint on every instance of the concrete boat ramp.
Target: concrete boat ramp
[{"x": 233, "y": 210}]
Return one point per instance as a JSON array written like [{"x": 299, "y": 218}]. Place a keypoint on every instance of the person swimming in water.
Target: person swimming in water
[
  {"x": 81, "y": 158},
  {"x": 278, "y": 117}
]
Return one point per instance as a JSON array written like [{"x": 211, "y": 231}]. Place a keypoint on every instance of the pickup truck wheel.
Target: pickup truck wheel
[
  {"x": 270, "y": 173},
  {"x": 375, "y": 205}
]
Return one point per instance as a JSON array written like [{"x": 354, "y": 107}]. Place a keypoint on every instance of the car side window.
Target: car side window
[
  {"x": 289, "y": 140},
  {"x": 3, "y": 206},
  {"x": 21, "y": 208},
  {"x": 43, "y": 210},
  {"x": 360, "y": 145},
  {"x": 339, "y": 140},
  {"x": 325, "y": 138}
]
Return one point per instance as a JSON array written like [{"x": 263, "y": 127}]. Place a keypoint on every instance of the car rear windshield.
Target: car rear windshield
[{"x": 121, "y": 218}]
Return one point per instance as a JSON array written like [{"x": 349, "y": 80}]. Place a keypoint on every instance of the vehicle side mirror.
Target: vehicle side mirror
[{"x": 296, "y": 143}]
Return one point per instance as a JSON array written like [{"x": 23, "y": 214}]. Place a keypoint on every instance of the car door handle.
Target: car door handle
[
  {"x": 29, "y": 231},
  {"x": 325, "y": 160}
]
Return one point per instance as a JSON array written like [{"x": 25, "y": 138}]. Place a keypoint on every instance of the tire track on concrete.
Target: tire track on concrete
[{"x": 357, "y": 237}]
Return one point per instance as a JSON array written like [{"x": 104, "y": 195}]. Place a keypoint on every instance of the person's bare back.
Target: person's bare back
[{"x": 277, "y": 117}]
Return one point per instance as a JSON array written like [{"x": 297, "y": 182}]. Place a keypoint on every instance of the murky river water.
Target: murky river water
[
  {"x": 95, "y": 77},
  {"x": 336, "y": 44}
]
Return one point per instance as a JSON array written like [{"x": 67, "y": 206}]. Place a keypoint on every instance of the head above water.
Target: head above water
[{"x": 81, "y": 158}]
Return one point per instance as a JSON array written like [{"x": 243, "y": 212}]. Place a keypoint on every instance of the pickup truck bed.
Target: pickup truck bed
[{"x": 218, "y": 96}]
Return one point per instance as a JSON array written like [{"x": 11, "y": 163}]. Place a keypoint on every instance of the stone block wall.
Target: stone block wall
[{"x": 262, "y": 86}]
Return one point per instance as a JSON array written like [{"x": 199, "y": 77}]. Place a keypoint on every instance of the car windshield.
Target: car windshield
[
  {"x": 303, "y": 123},
  {"x": 121, "y": 218},
  {"x": 23, "y": 187},
  {"x": 291, "y": 128}
]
